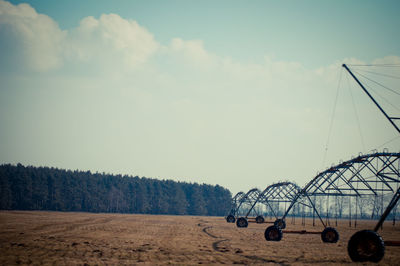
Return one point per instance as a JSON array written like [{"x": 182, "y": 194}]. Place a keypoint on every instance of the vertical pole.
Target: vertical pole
[
  {"x": 293, "y": 213},
  {"x": 316, "y": 211},
  {"x": 313, "y": 216},
  {"x": 291, "y": 205},
  {"x": 395, "y": 209},
  {"x": 328, "y": 222},
  {"x": 336, "y": 211},
  {"x": 355, "y": 220},
  {"x": 382, "y": 207},
  {"x": 349, "y": 211}
]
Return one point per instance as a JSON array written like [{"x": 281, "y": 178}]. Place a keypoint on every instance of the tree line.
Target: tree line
[{"x": 44, "y": 188}]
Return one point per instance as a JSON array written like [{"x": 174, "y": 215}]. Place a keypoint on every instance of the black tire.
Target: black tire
[
  {"x": 366, "y": 245},
  {"x": 280, "y": 223},
  {"x": 330, "y": 235},
  {"x": 273, "y": 233},
  {"x": 242, "y": 222},
  {"x": 259, "y": 219},
  {"x": 230, "y": 218}
]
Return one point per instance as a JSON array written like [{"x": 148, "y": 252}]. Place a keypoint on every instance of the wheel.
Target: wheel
[
  {"x": 242, "y": 222},
  {"x": 280, "y": 223},
  {"x": 366, "y": 245},
  {"x": 273, "y": 233},
  {"x": 330, "y": 235},
  {"x": 259, "y": 219},
  {"x": 230, "y": 218}
]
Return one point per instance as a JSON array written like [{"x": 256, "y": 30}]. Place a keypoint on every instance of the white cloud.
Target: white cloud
[
  {"x": 387, "y": 60},
  {"x": 111, "y": 38},
  {"x": 194, "y": 52},
  {"x": 35, "y": 39}
]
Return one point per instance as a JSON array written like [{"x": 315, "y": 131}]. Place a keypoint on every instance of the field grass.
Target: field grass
[{"x": 57, "y": 238}]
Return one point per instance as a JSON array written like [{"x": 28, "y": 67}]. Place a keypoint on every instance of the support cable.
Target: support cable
[
  {"x": 377, "y": 65},
  {"x": 383, "y": 98},
  {"x": 373, "y": 100},
  {"x": 379, "y": 74},
  {"x": 387, "y": 142},
  {"x": 356, "y": 115},
  {"x": 332, "y": 118},
  {"x": 376, "y": 82}
]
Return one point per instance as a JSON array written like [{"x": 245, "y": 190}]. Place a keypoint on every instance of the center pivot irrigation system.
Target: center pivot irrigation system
[
  {"x": 372, "y": 176},
  {"x": 271, "y": 199},
  {"x": 368, "y": 245},
  {"x": 240, "y": 203}
]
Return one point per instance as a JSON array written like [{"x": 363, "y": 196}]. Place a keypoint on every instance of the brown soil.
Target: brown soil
[{"x": 96, "y": 239}]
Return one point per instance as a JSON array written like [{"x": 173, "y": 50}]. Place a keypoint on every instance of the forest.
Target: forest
[{"x": 44, "y": 188}]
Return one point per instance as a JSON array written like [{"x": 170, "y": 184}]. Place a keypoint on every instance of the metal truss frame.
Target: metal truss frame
[
  {"x": 367, "y": 245},
  {"x": 359, "y": 176},
  {"x": 247, "y": 200},
  {"x": 282, "y": 192},
  {"x": 235, "y": 202}
]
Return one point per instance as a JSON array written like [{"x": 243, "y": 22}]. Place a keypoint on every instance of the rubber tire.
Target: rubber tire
[
  {"x": 260, "y": 219},
  {"x": 330, "y": 235},
  {"x": 230, "y": 218},
  {"x": 368, "y": 242},
  {"x": 242, "y": 222},
  {"x": 273, "y": 233},
  {"x": 280, "y": 223}
]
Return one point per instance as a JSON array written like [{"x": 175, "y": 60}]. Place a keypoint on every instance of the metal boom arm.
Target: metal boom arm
[{"x": 372, "y": 98}]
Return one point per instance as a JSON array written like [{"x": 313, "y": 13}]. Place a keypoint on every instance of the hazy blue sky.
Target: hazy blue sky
[{"x": 236, "y": 93}]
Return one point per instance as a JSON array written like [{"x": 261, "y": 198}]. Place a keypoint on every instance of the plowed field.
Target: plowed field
[{"x": 96, "y": 239}]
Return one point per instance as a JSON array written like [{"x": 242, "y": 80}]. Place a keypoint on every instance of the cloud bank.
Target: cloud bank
[
  {"x": 36, "y": 42},
  {"x": 30, "y": 39},
  {"x": 114, "y": 99}
]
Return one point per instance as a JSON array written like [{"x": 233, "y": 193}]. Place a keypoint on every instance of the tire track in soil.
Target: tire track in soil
[
  {"x": 59, "y": 224},
  {"x": 283, "y": 263},
  {"x": 214, "y": 244},
  {"x": 216, "y": 247},
  {"x": 205, "y": 230},
  {"x": 308, "y": 261},
  {"x": 59, "y": 228}
]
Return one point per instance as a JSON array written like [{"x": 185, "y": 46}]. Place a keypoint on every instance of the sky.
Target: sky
[{"x": 237, "y": 93}]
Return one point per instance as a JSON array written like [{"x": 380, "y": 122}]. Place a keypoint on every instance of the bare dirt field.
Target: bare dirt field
[{"x": 58, "y": 238}]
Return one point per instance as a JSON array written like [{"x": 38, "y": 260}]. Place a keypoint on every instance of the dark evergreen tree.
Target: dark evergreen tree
[
  {"x": 43, "y": 188},
  {"x": 178, "y": 203},
  {"x": 197, "y": 204}
]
